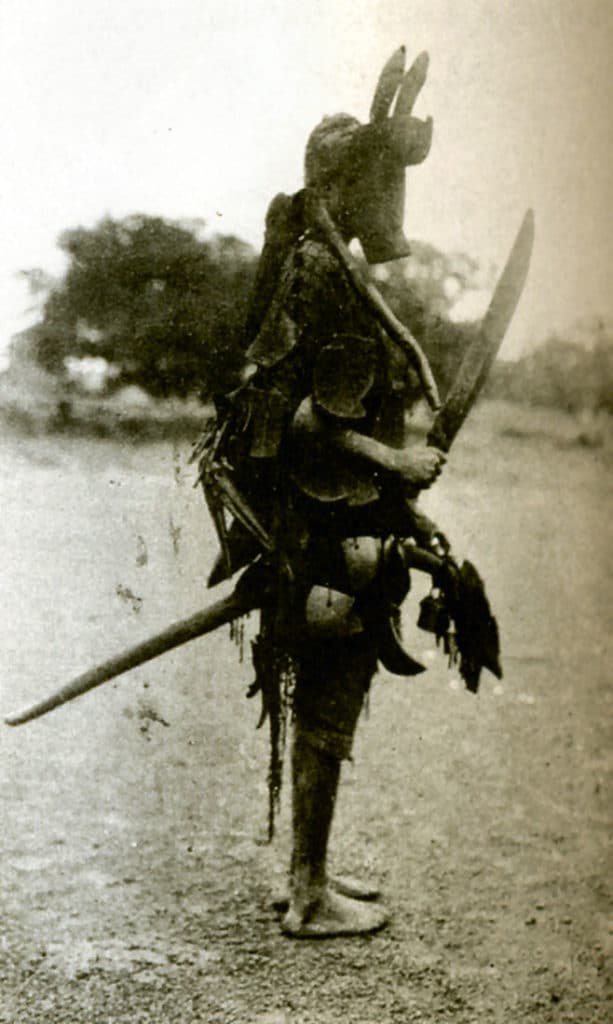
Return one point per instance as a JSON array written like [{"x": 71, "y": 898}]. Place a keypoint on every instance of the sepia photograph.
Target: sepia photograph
[{"x": 306, "y": 449}]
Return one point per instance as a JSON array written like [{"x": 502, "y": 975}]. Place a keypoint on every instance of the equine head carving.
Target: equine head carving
[{"x": 362, "y": 166}]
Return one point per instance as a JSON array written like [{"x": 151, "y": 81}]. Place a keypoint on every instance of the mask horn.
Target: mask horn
[
  {"x": 410, "y": 139},
  {"x": 389, "y": 80},
  {"x": 411, "y": 85}
]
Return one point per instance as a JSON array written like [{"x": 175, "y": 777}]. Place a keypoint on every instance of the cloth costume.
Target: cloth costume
[{"x": 329, "y": 524}]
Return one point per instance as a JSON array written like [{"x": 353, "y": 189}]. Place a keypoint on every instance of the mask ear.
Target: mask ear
[
  {"x": 409, "y": 139},
  {"x": 389, "y": 80},
  {"x": 412, "y": 85}
]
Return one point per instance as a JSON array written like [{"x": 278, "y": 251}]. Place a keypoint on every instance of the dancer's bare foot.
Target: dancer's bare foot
[
  {"x": 334, "y": 915},
  {"x": 346, "y": 885}
]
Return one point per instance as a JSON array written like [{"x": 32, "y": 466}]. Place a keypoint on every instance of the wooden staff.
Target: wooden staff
[
  {"x": 239, "y": 602},
  {"x": 319, "y": 215}
]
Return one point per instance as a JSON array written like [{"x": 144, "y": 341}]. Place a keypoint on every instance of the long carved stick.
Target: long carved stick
[
  {"x": 319, "y": 215},
  {"x": 249, "y": 593},
  {"x": 238, "y": 603}
]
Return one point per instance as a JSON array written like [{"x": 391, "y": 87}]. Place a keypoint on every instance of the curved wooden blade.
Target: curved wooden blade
[{"x": 481, "y": 353}]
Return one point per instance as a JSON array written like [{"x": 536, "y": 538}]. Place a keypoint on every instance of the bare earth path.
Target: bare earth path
[{"x": 132, "y": 886}]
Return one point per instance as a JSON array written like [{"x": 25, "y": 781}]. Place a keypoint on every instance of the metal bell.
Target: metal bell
[{"x": 433, "y": 615}]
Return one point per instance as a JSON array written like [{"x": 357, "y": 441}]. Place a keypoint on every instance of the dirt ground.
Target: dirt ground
[{"x": 134, "y": 884}]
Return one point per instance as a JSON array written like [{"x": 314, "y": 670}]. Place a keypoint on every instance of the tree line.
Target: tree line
[
  {"x": 161, "y": 304},
  {"x": 164, "y": 305},
  {"x": 561, "y": 373}
]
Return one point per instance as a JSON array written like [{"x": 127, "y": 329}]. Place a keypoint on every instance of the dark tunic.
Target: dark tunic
[{"x": 317, "y": 339}]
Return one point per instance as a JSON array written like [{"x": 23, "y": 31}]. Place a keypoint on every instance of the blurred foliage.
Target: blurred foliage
[
  {"x": 437, "y": 279},
  {"x": 162, "y": 305},
  {"x": 573, "y": 374},
  {"x": 422, "y": 290},
  {"x": 165, "y": 306}
]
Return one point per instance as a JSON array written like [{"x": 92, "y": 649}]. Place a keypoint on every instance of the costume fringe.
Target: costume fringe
[{"x": 284, "y": 672}]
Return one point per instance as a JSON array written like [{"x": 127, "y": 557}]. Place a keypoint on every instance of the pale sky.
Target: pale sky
[{"x": 201, "y": 108}]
